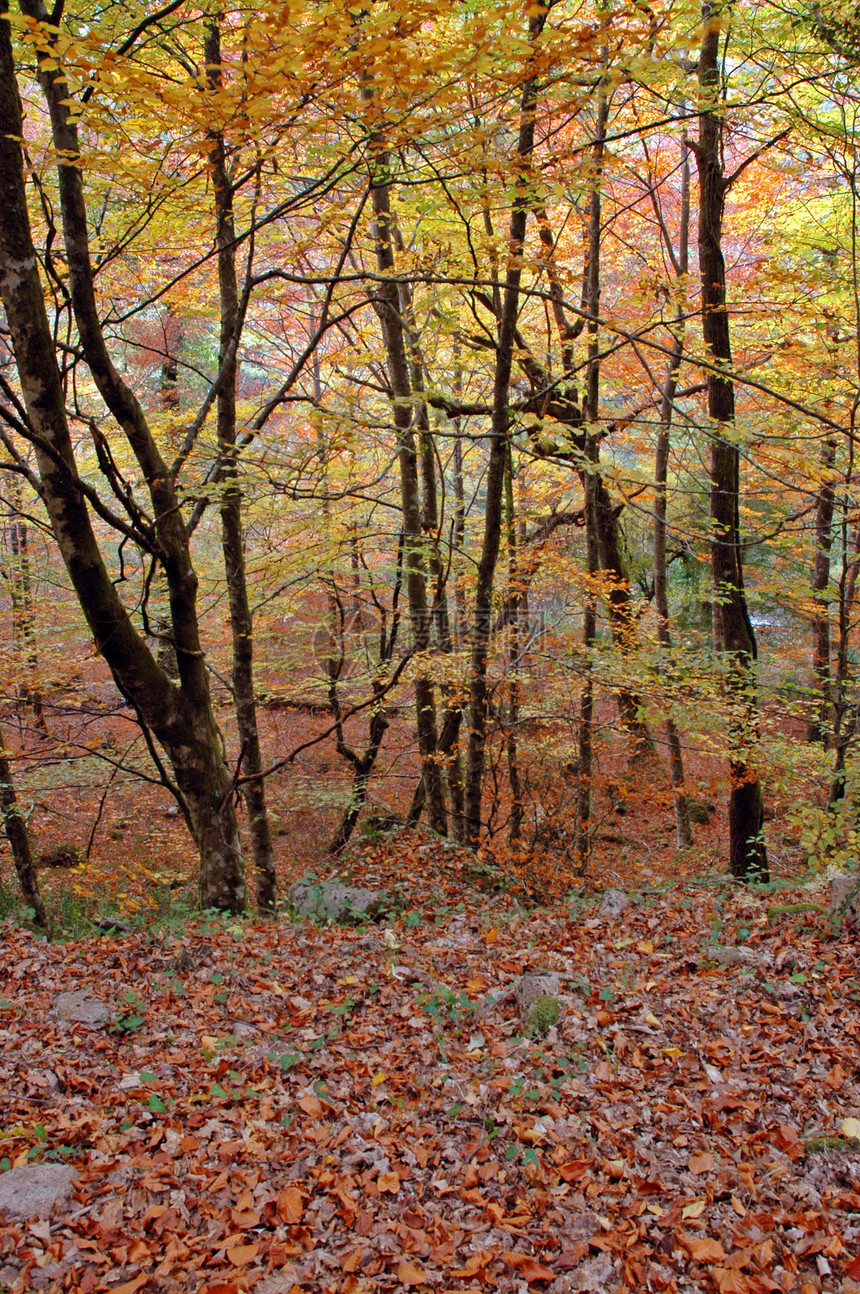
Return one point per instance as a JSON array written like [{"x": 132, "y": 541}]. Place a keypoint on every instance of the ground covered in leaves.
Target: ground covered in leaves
[{"x": 287, "y": 1107}]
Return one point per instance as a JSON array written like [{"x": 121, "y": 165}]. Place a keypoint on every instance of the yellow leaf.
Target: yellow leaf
[
  {"x": 674, "y": 1052},
  {"x": 694, "y": 1210},
  {"x": 650, "y": 1018},
  {"x": 644, "y": 946},
  {"x": 378, "y": 1078},
  {"x": 851, "y": 1128}
]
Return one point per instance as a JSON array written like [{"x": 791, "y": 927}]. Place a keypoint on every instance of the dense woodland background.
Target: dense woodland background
[{"x": 428, "y": 412}]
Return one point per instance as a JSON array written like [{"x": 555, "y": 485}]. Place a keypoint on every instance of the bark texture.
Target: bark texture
[{"x": 748, "y": 857}]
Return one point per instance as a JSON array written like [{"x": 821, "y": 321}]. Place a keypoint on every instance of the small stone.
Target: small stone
[
  {"x": 34, "y": 1190},
  {"x": 243, "y": 1032},
  {"x": 614, "y": 903},
  {"x": 726, "y": 955},
  {"x": 531, "y": 987},
  {"x": 83, "y": 1008}
]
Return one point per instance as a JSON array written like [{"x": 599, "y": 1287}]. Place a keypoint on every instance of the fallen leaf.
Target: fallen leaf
[
  {"x": 529, "y": 1268},
  {"x": 241, "y": 1255},
  {"x": 694, "y": 1210},
  {"x": 644, "y": 946},
  {"x": 388, "y": 1182},
  {"x": 378, "y": 1078},
  {"x": 129, "y": 1287},
  {"x": 290, "y": 1205},
  {"x": 706, "y": 1250},
  {"x": 851, "y": 1128},
  {"x": 702, "y": 1162},
  {"x": 311, "y": 1105},
  {"x": 411, "y": 1274}
]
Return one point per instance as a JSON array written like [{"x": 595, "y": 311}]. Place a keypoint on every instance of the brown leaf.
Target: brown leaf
[
  {"x": 130, "y": 1287},
  {"x": 411, "y": 1274},
  {"x": 290, "y": 1205},
  {"x": 241, "y": 1255},
  {"x": 529, "y": 1268},
  {"x": 388, "y": 1182},
  {"x": 706, "y": 1250},
  {"x": 311, "y": 1105},
  {"x": 702, "y": 1163}
]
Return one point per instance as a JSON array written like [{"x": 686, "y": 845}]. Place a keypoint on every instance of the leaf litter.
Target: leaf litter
[{"x": 287, "y": 1106}]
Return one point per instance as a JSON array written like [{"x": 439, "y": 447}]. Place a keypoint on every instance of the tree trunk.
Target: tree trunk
[
  {"x": 748, "y": 857},
  {"x": 19, "y": 840},
  {"x": 818, "y": 727},
  {"x": 23, "y": 617},
  {"x": 394, "y": 338},
  {"x": 500, "y": 429},
  {"x": 683, "y": 830},
  {"x": 232, "y": 539},
  {"x": 180, "y": 717}
]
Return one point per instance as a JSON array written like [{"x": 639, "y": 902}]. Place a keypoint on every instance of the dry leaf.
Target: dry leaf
[
  {"x": 702, "y": 1162},
  {"x": 388, "y": 1182},
  {"x": 411, "y": 1274},
  {"x": 706, "y": 1250},
  {"x": 529, "y": 1268},
  {"x": 290, "y": 1205},
  {"x": 241, "y": 1255}
]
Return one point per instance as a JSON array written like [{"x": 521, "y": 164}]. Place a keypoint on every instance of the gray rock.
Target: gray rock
[
  {"x": 35, "y": 1190},
  {"x": 841, "y": 891},
  {"x": 83, "y": 1008},
  {"x": 614, "y": 903},
  {"x": 726, "y": 955},
  {"x": 528, "y": 989},
  {"x": 334, "y": 901},
  {"x": 243, "y": 1032}
]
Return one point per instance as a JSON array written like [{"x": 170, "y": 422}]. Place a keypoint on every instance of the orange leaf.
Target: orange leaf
[
  {"x": 702, "y": 1163},
  {"x": 706, "y": 1250},
  {"x": 389, "y": 1182},
  {"x": 492, "y": 935},
  {"x": 241, "y": 1255},
  {"x": 529, "y": 1268},
  {"x": 244, "y": 1219},
  {"x": 352, "y": 1261},
  {"x": 311, "y": 1105},
  {"x": 290, "y": 1205},
  {"x": 411, "y": 1274},
  {"x": 130, "y": 1286},
  {"x": 730, "y": 1281},
  {"x": 574, "y": 1170}
]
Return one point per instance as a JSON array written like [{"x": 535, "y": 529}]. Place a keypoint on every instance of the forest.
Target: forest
[{"x": 429, "y": 703}]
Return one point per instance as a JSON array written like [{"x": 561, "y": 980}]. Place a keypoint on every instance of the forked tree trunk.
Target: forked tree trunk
[
  {"x": 180, "y": 716},
  {"x": 748, "y": 857},
  {"x": 499, "y": 435},
  {"x": 232, "y": 538}
]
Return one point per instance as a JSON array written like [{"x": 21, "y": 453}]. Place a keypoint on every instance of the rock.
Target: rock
[
  {"x": 35, "y": 1190},
  {"x": 113, "y": 925},
  {"x": 594, "y": 1274},
  {"x": 243, "y": 1032},
  {"x": 726, "y": 955},
  {"x": 699, "y": 811},
  {"x": 844, "y": 896},
  {"x": 83, "y": 1008},
  {"x": 334, "y": 901},
  {"x": 614, "y": 903},
  {"x": 529, "y": 988}
]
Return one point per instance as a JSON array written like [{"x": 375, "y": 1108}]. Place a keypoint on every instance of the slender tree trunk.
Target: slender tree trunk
[
  {"x": 683, "y": 830},
  {"x": 23, "y": 617},
  {"x": 500, "y": 430},
  {"x": 818, "y": 727},
  {"x": 394, "y": 338},
  {"x": 516, "y": 597},
  {"x": 180, "y": 717},
  {"x": 18, "y": 836},
  {"x": 232, "y": 538},
  {"x": 748, "y": 856}
]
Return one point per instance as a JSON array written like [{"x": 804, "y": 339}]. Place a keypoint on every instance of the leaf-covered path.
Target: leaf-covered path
[{"x": 286, "y": 1106}]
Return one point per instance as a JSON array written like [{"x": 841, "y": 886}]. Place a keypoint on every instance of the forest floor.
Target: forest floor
[{"x": 282, "y": 1106}]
